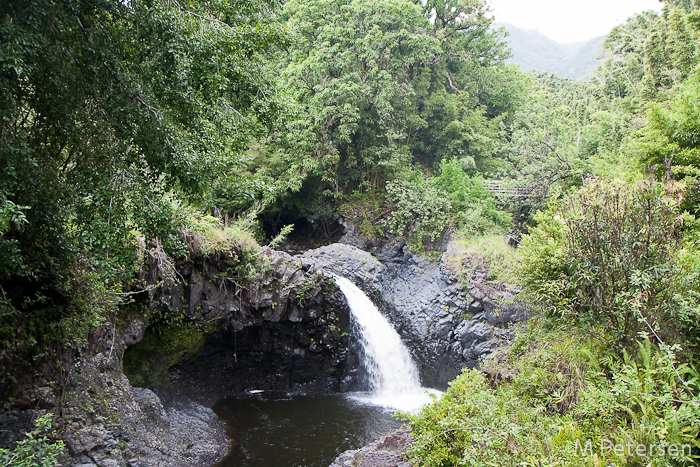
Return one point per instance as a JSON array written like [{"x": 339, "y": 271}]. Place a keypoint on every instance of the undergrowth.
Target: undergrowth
[
  {"x": 367, "y": 213},
  {"x": 38, "y": 449},
  {"x": 561, "y": 397},
  {"x": 205, "y": 234},
  {"x": 426, "y": 211},
  {"x": 490, "y": 249}
]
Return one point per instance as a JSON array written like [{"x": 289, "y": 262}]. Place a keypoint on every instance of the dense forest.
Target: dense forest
[{"x": 133, "y": 131}]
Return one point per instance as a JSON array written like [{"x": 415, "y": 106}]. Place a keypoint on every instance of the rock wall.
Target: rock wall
[
  {"x": 446, "y": 324},
  {"x": 449, "y": 322},
  {"x": 184, "y": 345},
  {"x": 106, "y": 422},
  {"x": 109, "y": 423},
  {"x": 287, "y": 331},
  {"x": 187, "y": 343}
]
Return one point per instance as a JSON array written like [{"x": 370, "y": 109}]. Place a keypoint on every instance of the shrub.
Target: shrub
[
  {"x": 559, "y": 396},
  {"x": 90, "y": 302},
  {"x": 236, "y": 237},
  {"x": 420, "y": 214},
  {"x": 37, "y": 449},
  {"x": 473, "y": 207},
  {"x": 607, "y": 253},
  {"x": 519, "y": 416},
  {"x": 366, "y": 212}
]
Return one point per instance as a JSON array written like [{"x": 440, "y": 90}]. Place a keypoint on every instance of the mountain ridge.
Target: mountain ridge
[{"x": 534, "y": 51}]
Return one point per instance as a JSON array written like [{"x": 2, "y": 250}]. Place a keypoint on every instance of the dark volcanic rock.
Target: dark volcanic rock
[
  {"x": 445, "y": 325},
  {"x": 286, "y": 328},
  {"x": 106, "y": 422},
  {"x": 286, "y": 331},
  {"x": 347, "y": 261},
  {"x": 387, "y": 451}
]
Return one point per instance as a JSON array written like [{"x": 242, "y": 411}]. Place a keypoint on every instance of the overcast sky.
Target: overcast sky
[{"x": 569, "y": 20}]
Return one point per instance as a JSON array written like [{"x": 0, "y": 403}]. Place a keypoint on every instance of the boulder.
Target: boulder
[{"x": 387, "y": 451}]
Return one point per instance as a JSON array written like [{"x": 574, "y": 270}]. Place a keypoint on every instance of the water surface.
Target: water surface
[
  {"x": 269, "y": 430},
  {"x": 273, "y": 430}
]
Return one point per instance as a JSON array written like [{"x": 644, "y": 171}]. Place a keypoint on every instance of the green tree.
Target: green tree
[
  {"x": 421, "y": 213},
  {"x": 681, "y": 44},
  {"x": 468, "y": 93},
  {"x": 687, "y": 6},
  {"x": 548, "y": 145},
  {"x": 624, "y": 48},
  {"x": 108, "y": 105},
  {"x": 655, "y": 66},
  {"x": 379, "y": 85},
  {"x": 672, "y": 136},
  {"x": 352, "y": 77},
  {"x": 109, "y": 111},
  {"x": 472, "y": 207}
]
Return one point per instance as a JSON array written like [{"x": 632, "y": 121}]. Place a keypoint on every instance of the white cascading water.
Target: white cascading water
[{"x": 393, "y": 375}]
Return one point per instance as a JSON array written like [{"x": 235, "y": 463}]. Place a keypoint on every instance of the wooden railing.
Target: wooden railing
[{"x": 505, "y": 189}]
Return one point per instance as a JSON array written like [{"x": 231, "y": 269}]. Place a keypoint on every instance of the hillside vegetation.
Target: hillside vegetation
[{"x": 130, "y": 127}]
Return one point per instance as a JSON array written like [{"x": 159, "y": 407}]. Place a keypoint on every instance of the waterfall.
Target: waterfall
[{"x": 393, "y": 376}]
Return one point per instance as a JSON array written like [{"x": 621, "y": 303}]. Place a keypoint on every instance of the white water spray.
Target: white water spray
[{"x": 393, "y": 375}]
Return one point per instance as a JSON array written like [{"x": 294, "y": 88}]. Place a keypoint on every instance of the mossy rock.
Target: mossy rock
[{"x": 148, "y": 363}]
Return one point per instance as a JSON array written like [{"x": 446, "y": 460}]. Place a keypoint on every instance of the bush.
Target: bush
[
  {"x": 559, "y": 396},
  {"x": 420, "y": 214},
  {"x": 473, "y": 207},
  {"x": 685, "y": 309},
  {"x": 367, "y": 212},
  {"x": 90, "y": 302},
  {"x": 607, "y": 254},
  {"x": 36, "y": 450},
  {"x": 518, "y": 416}
]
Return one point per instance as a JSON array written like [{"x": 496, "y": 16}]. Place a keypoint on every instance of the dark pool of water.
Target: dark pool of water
[{"x": 270, "y": 430}]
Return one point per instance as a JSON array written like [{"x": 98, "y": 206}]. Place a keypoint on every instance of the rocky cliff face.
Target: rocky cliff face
[
  {"x": 184, "y": 345},
  {"x": 448, "y": 322},
  {"x": 447, "y": 325},
  {"x": 286, "y": 331},
  {"x": 107, "y": 422}
]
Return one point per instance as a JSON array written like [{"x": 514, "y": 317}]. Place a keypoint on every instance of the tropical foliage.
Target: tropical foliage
[
  {"x": 38, "y": 449},
  {"x": 550, "y": 400},
  {"x": 605, "y": 374},
  {"x": 112, "y": 113},
  {"x": 143, "y": 131}
]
